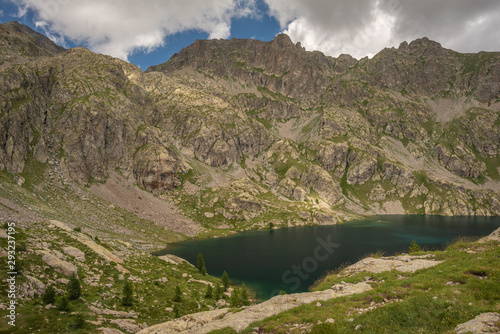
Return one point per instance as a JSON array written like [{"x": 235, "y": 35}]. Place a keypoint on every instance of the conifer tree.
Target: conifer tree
[
  {"x": 49, "y": 296},
  {"x": 209, "y": 292},
  {"x": 63, "y": 304},
  {"x": 178, "y": 294},
  {"x": 74, "y": 288},
  {"x": 128, "y": 292},
  {"x": 200, "y": 264},
  {"x": 218, "y": 292},
  {"x": 225, "y": 280},
  {"x": 244, "y": 298},
  {"x": 177, "y": 312},
  {"x": 235, "y": 298}
]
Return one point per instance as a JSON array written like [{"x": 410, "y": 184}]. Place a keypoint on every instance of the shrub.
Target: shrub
[
  {"x": 63, "y": 304},
  {"x": 225, "y": 280},
  {"x": 178, "y": 294},
  {"x": 74, "y": 288},
  {"x": 128, "y": 291},
  {"x": 414, "y": 247},
  {"x": 209, "y": 292},
  {"x": 49, "y": 296}
]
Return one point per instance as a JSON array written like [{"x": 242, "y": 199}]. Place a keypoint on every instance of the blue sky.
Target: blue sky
[{"x": 149, "y": 32}]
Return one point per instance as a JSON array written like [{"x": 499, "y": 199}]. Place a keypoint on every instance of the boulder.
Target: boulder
[
  {"x": 59, "y": 265},
  {"x": 74, "y": 252}
]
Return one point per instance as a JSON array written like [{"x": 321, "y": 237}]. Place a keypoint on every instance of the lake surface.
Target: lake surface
[{"x": 291, "y": 259}]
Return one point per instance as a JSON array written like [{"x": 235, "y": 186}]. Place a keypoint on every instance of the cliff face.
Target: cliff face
[{"x": 243, "y": 132}]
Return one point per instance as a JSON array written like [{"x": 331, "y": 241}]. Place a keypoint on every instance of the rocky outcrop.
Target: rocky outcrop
[
  {"x": 403, "y": 263},
  {"x": 470, "y": 168},
  {"x": 74, "y": 252},
  {"x": 323, "y": 183},
  {"x": 483, "y": 323},
  {"x": 361, "y": 171},
  {"x": 59, "y": 265},
  {"x": 156, "y": 168}
]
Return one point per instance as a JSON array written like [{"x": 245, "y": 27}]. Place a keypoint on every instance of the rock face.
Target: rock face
[{"x": 303, "y": 132}]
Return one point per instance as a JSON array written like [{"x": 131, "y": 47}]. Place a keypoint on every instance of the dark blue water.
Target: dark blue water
[{"x": 291, "y": 259}]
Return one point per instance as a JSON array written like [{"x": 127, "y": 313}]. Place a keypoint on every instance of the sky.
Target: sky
[{"x": 149, "y": 32}]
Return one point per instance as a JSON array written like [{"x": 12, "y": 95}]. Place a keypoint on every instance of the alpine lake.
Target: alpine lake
[{"x": 292, "y": 259}]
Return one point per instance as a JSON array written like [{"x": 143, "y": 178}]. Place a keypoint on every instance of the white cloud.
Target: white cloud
[
  {"x": 364, "y": 27},
  {"x": 21, "y": 11},
  {"x": 120, "y": 27}
]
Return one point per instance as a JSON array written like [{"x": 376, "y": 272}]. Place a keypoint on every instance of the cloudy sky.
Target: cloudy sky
[{"x": 148, "y": 32}]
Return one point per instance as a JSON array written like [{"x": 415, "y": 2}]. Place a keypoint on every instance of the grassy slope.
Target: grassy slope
[
  {"x": 152, "y": 294},
  {"x": 434, "y": 300}
]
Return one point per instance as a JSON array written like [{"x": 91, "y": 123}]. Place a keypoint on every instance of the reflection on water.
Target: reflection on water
[{"x": 291, "y": 259}]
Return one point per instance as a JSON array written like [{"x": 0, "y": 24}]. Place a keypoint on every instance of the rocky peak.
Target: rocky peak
[
  {"x": 278, "y": 65},
  {"x": 283, "y": 40},
  {"x": 26, "y": 41}
]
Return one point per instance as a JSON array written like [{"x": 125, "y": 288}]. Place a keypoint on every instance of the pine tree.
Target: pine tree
[
  {"x": 178, "y": 294},
  {"x": 235, "y": 298},
  {"x": 244, "y": 298},
  {"x": 128, "y": 292},
  {"x": 225, "y": 280},
  {"x": 200, "y": 264},
  {"x": 209, "y": 292},
  {"x": 63, "y": 304},
  {"x": 49, "y": 296},
  {"x": 218, "y": 292},
  {"x": 74, "y": 288},
  {"x": 177, "y": 312}
]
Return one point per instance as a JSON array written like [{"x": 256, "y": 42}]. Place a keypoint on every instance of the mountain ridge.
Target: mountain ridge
[{"x": 241, "y": 132}]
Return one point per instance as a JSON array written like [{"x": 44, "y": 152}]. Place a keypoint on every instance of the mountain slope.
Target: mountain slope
[{"x": 239, "y": 134}]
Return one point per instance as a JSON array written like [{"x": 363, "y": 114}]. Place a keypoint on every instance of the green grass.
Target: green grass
[
  {"x": 16, "y": 104},
  {"x": 151, "y": 296}
]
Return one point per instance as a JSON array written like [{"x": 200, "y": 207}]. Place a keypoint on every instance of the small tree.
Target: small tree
[
  {"x": 218, "y": 292},
  {"x": 244, "y": 298},
  {"x": 209, "y": 292},
  {"x": 177, "y": 312},
  {"x": 225, "y": 280},
  {"x": 49, "y": 296},
  {"x": 414, "y": 247},
  {"x": 74, "y": 288},
  {"x": 235, "y": 298},
  {"x": 178, "y": 294},
  {"x": 78, "y": 322},
  {"x": 200, "y": 264},
  {"x": 128, "y": 292},
  {"x": 63, "y": 304}
]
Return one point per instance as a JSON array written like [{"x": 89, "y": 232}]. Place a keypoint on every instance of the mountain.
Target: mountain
[
  {"x": 237, "y": 134},
  {"x": 20, "y": 43},
  {"x": 101, "y": 163}
]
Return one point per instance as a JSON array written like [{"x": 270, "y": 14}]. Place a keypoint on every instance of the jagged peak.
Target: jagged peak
[
  {"x": 424, "y": 42},
  {"x": 37, "y": 38},
  {"x": 283, "y": 39}
]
